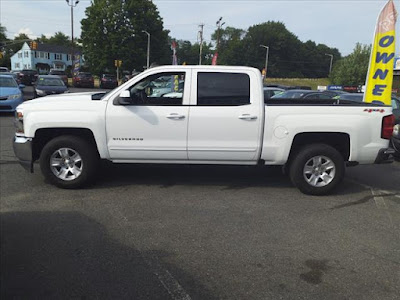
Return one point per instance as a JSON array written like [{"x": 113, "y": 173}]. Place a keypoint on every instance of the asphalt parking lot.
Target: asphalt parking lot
[{"x": 197, "y": 232}]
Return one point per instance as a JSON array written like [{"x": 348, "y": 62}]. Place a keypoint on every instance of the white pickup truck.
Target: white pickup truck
[{"x": 200, "y": 115}]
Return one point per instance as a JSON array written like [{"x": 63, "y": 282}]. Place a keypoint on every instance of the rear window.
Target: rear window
[
  {"x": 110, "y": 76},
  {"x": 223, "y": 89},
  {"x": 85, "y": 75},
  {"x": 57, "y": 72}
]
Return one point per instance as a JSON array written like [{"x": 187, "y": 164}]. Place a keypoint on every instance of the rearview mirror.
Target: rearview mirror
[{"x": 125, "y": 98}]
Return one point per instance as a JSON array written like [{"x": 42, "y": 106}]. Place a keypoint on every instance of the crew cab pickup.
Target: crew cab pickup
[{"x": 200, "y": 115}]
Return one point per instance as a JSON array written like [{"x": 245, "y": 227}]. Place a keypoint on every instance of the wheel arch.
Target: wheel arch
[
  {"x": 44, "y": 135},
  {"x": 338, "y": 140}
]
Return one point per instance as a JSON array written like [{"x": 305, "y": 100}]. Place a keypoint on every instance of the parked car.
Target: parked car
[
  {"x": 28, "y": 77},
  {"x": 271, "y": 91},
  {"x": 61, "y": 74},
  {"x": 335, "y": 93},
  {"x": 83, "y": 79},
  {"x": 10, "y": 93},
  {"x": 49, "y": 85},
  {"x": 14, "y": 75},
  {"x": 4, "y": 70},
  {"x": 396, "y": 140},
  {"x": 302, "y": 94},
  {"x": 108, "y": 81},
  {"x": 221, "y": 118}
]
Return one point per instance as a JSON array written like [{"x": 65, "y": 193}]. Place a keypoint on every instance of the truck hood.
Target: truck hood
[{"x": 73, "y": 101}]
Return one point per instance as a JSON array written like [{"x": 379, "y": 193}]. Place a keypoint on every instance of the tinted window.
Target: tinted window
[
  {"x": 289, "y": 95},
  {"x": 159, "y": 89},
  {"x": 50, "y": 82},
  {"x": 223, "y": 89},
  {"x": 57, "y": 73}
]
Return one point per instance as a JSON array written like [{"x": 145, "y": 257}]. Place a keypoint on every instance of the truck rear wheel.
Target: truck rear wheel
[
  {"x": 317, "y": 169},
  {"x": 69, "y": 162}
]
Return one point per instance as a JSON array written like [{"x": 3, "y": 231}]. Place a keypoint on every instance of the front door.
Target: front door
[{"x": 152, "y": 124}]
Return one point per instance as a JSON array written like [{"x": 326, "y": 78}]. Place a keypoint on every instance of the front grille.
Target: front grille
[
  {"x": 5, "y": 107},
  {"x": 3, "y": 98}
]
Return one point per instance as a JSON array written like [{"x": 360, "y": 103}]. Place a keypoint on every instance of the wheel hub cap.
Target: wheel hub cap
[
  {"x": 66, "y": 164},
  {"x": 319, "y": 171}
]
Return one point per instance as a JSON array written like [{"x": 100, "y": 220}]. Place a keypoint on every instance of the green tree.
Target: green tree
[
  {"x": 58, "y": 38},
  {"x": 189, "y": 53},
  {"x": 352, "y": 70},
  {"x": 113, "y": 29},
  {"x": 4, "y": 53},
  {"x": 230, "y": 50}
]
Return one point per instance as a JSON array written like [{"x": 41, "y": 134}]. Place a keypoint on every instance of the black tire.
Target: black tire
[
  {"x": 89, "y": 161},
  {"x": 304, "y": 156}
]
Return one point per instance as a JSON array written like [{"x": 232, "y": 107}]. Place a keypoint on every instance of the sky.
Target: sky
[{"x": 336, "y": 23}]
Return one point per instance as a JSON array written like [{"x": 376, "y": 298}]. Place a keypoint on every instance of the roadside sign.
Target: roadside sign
[
  {"x": 322, "y": 88},
  {"x": 335, "y": 88}
]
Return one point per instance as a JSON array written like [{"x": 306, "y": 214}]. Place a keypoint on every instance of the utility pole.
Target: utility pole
[
  {"x": 330, "y": 66},
  {"x": 72, "y": 4},
  {"x": 148, "y": 48},
  {"x": 219, "y": 25},
  {"x": 201, "y": 42}
]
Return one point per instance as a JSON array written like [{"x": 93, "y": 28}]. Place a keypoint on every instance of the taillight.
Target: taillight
[{"x": 387, "y": 127}]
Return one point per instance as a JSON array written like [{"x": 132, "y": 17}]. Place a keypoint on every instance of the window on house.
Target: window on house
[
  {"x": 19, "y": 54},
  {"x": 58, "y": 56},
  {"x": 42, "y": 55},
  {"x": 69, "y": 57},
  {"x": 16, "y": 66},
  {"x": 26, "y": 54}
]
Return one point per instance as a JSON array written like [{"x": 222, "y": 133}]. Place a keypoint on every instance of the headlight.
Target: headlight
[
  {"x": 13, "y": 97},
  {"x": 19, "y": 121},
  {"x": 40, "y": 92}
]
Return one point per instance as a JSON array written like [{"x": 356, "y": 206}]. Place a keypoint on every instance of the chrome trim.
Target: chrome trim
[{"x": 23, "y": 151}]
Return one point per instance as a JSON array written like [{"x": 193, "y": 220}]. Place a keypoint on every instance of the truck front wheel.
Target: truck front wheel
[
  {"x": 69, "y": 162},
  {"x": 317, "y": 169}
]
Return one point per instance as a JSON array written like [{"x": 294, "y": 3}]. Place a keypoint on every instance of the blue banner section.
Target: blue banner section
[{"x": 335, "y": 88}]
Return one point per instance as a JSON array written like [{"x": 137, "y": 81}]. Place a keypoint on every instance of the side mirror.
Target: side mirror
[
  {"x": 125, "y": 98},
  {"x": 21, "y": 86}
]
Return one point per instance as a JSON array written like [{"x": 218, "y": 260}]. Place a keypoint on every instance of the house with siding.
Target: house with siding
[{"x": 44, "y": 58}]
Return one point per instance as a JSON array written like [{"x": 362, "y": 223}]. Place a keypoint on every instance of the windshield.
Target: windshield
[
  {"x": 288, "y": 94},
  {"x": 7, "y": 82},
  {"x": 50, "y": 82}
]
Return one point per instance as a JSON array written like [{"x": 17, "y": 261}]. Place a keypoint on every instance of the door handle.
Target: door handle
[
  {"x": 175, "y": 116},
  {"x": 247, "y": 117}
]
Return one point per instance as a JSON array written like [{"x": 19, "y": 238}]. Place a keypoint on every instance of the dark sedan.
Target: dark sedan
[
  {"x": 108, "y": 81},
  {"x": 49, "y": 85},
  {"x": 302, "y": 94},
  {"x": 83, "y": 79},
  {"x": 61, "y": 74}
]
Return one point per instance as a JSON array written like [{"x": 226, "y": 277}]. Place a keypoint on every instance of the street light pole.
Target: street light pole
[
  {"x": 72, "y": 4},
  {"x": 266, "y": 58},
  {"x": 219, "y": 25},
  {"x": 148, "y": 48},
  {"x": 330, "y": 66}
]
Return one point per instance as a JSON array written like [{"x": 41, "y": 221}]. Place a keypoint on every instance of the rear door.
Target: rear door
[{"x": 225, "y": 119}]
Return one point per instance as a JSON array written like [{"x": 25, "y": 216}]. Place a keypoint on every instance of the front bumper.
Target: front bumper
[
  {"x": 10, "y": 105},
  {"x": 385, "y": 156},
  {"x": 23, "y": 151}
]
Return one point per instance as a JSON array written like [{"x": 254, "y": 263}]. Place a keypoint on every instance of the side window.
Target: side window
[
  {"x": 223, "y": 89},
  {"x": 311, "y": 96},
  {"x": 159, "y": 89},
  {"x": 395, "y": 104}
]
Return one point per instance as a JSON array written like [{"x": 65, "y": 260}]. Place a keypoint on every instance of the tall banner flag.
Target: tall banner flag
[
  {"x": 174, "y": 57},
  {"x": 214, "y": 59},
  {"x": 380, "y": 71}
]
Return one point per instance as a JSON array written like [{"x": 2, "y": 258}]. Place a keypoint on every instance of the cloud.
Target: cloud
[{"x": 27, "y": 31}]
